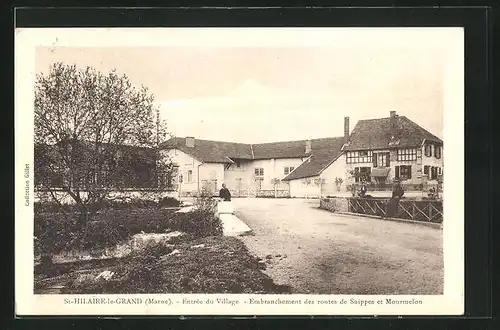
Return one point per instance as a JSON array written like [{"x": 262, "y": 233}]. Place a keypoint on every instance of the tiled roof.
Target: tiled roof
[
  {"x": 376, "y": 134},
  {"x": 218, "y": 151},
  {"x": 325, "y": 151},
  {"x": 211, "y": 151},
  {"x": 289, "y": 149}
]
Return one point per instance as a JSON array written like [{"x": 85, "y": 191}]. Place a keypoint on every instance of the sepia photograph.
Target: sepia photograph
[{"x": 261, "y": 171}]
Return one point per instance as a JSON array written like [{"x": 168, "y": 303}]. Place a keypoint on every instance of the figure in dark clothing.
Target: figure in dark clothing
[
  {"x": 397, "y": 193},
  {"x": 363, "y": 190},
  {"x": 225, "y": 194},
  {"x": 432, "y": 193},
  {"x": 397, "y": 190}
]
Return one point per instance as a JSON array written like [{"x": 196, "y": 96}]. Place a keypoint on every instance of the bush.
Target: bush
[
  {"x": 55, "y": 232},
  {"x": 200, "y": 223},
  {"x": 52, "y": 207},
  {"x": 169, "y": 202}
]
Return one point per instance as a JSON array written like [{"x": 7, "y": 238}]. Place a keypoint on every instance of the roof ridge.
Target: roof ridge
[
  {"x": 372, "y": 119},
  {"x": 262, "y": 143},
  {"x": 302, "y": 140}
]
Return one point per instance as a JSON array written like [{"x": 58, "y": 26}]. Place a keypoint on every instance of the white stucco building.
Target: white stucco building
[{"x": 246, "y": 169}]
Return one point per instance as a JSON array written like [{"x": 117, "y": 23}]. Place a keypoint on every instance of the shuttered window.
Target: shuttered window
[
  {"x": 427, "y": 150},
  {"x": 403, "y": 172}
]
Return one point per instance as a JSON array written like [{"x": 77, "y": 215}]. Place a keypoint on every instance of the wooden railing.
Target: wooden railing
[{"x": 418, "y": 210}]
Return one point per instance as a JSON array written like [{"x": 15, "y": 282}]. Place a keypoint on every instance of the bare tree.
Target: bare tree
[
  {"x": 319, "y": 182},
  {"x": 95, "y": 133},
  {"x": 275, "y": 183}
]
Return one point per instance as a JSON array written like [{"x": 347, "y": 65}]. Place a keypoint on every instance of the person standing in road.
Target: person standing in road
[{"x": 224, "y": 193}]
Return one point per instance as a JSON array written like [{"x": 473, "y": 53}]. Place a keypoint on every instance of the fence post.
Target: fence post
[
  {"x": 430, "y": 211},
  {"x": 413, "y": 210}
]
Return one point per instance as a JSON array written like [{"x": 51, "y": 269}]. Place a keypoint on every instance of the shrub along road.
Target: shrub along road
[{"x": 316, "y": 251}]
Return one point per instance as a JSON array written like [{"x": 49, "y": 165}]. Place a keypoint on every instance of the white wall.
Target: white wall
[
  {"x": 233, "y": 173},
  {"x": 300, "y": 189},
  {"x": 212, "y": 173},
  {"x": 335, "y": 170},
  {"x": 273, "y": 168},
  {"x": 186, "y": 163}
]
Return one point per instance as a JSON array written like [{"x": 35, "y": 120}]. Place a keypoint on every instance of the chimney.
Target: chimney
[
  {"x": 346, "y": 129},
  {"x": 308, "y": 146},
  {"x": 189, "y": 141},
  {"x": 394, "y": 124}
]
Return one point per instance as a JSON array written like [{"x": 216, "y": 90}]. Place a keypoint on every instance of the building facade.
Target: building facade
[
  {"x": 377, "y": 152},
  {"x": 248, "y": 170},
  {"x": 380, "y": 151}
]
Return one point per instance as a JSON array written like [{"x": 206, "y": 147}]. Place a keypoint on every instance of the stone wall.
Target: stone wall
[{"x": 335, "y": 204}]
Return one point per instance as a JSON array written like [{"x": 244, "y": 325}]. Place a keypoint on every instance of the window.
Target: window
[
  {"x": 359, "y": 157},
  {"x": 362, "y": 174},
  {"x": 440, "y": 171},
  {"x": 259, "y": 171},
  {"x": 437, "y": 152},
  {"x": 427, "y": 150},
  {"x": 426, "y": 169},
  {"x": 381, "y": 159},
  {"x": 190, "y": 176},
  {"x": 434, "y": 173},
  {"x": 288, "y": 169},
  {"x": 403, "y": 172},
  {"x": 407, "y": 154},
  {"x": 238, "y": 165}
]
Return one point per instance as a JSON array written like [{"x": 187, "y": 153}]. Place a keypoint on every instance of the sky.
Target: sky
[{"x": 276, "y": 93}]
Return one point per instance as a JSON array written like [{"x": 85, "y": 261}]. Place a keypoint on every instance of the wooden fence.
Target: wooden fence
[{"x": 418, "y": 210}]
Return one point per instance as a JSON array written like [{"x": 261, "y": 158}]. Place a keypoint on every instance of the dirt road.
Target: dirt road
[{"x": 316, "y": 251}]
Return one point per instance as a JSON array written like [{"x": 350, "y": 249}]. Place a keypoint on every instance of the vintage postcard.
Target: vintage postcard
[{"x": 248, "y": 171}]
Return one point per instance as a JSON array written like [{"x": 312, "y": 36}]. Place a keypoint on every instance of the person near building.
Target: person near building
[
  {"x": 363, "y": 190},
  {"x": 224, "y": 193},
  {"x": 397, "y": 193}
]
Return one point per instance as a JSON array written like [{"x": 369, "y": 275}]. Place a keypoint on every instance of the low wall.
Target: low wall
[
  {"x": 334, "y": 204},
  {"x": 272, "y": 193}
]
